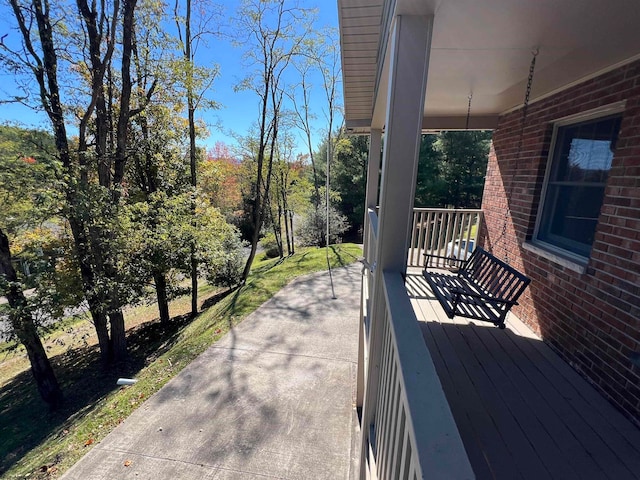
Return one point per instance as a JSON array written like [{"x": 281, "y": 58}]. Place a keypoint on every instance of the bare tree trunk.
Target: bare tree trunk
[
  {"x": 286, "y": 231},
  {"x": 161, "y": 294},
  {"x": 293, "y": 243},
  {"x": 277, "y": 230},
  {"x": 285, "y": 210},
  {"x": 25, "y": 328}
]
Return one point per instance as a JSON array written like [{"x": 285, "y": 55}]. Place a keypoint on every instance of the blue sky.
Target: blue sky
[{"x": 238, "y": 109}]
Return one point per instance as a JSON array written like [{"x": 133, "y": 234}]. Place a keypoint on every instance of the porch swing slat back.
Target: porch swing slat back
[{"x": 485, "y": 288}]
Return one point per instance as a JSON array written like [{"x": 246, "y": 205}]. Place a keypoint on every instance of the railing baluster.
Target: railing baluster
[
  {"x": 385, "y": 369},
  {"x": 414, "y": 233},
  {"x": 401, "y": 440},
  {"x": 392, "y": 434},
  {"x": 428, "y": 237}
]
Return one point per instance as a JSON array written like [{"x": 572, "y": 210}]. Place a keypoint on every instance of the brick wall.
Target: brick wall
[{"x": 591, "y": 319}]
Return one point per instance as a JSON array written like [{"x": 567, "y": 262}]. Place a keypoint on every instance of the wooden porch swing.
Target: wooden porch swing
[{"x": 484, "y": 287}]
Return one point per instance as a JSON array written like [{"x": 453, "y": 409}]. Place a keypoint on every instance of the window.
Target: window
[{"x": 574, "y": 191}]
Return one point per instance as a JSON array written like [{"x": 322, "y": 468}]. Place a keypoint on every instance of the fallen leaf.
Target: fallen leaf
[
  {"x": 127, "y": 463},
  {"x": 88, "y": 442},
  {"x": 218, "y": 330}
]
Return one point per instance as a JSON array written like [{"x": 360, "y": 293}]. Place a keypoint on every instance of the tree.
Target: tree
[
  {"x": 327, "y": 58},
  {"x": 93, "y": 169},
  {"x": 430, "y": 186},
  {"x": 28, "y": 198},
  {"x": 25, "y": 329},
  {"x": 28, "y": 179},
  {"x": 463, "y": 167},
  {"x": 221, "y": 176},
  {"x": 192, "y": 80},
  {"x": 310, "y": 234},
  {"x": 302, "y": 112},
  {"x": 153, "y": 229},
  {"x": 271, "y": 34},
  {"x": 350, "y": 179}
]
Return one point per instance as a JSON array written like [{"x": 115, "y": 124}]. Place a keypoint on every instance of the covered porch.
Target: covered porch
[
  {"x": 513, "y": 407},
  {"x": 453, "y": 399}
]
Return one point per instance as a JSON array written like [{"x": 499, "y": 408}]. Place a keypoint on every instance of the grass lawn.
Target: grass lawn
[{"x": 37, "y": 444}]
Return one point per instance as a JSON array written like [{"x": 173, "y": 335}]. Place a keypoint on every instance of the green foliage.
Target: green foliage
[
  {"x": 430, "y": 186},
  {"x": 349, "y": 179},
  {"x": 30, "y": 202},
  {"x": 452, "y": 168},
  {"x": 270, "y": 246},
  {"x": 156, "y": 236},
  {"x": 54, "y": 272},
  {"x": 29, "y": 187},
  {"x": 219, "y": 246},
  {"x": 158, "y": 233}
]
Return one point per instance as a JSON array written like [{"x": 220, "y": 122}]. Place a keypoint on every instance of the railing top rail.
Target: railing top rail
[
  {"x": 447, "y": 210},
  {"x": 434, "y": 431}
]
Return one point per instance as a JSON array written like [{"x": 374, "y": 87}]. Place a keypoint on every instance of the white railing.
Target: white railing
[
  {"x": 413, "y": 435},
  {"x": 444, "y": 232},
  {"x": 408, "y": 431}
]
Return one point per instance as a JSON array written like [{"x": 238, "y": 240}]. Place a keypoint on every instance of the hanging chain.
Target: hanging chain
[
  {"x": 468, "y": 111},
  {"x": 525, "y": 109}
]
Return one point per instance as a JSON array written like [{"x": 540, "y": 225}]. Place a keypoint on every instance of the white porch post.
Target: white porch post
[{"x": 409, "y": 61}]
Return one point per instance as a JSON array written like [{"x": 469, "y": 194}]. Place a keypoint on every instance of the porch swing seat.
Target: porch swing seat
[{"x": 484, "y": 288}]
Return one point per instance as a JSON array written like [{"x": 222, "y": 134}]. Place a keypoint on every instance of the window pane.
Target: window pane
[
  {"x": 582, "y": 158},
  {"x": 572, "y": 224}
]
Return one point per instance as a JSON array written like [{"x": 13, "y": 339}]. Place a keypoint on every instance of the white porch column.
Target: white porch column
[
  {"x": 409, "y": 61},
  {"x": 405, "y": 105}
]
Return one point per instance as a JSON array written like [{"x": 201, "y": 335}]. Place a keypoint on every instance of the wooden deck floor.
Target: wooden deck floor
[{"x": 522, "y": 412}]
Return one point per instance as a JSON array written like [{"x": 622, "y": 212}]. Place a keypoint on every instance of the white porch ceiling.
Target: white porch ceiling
[{"x": 484, "y": 48}]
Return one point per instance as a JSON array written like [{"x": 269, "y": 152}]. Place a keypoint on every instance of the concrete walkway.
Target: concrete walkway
[{"x": 272, "y": 399}]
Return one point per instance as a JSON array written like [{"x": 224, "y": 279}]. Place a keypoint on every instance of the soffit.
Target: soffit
[{"x": 484, "y": 48}]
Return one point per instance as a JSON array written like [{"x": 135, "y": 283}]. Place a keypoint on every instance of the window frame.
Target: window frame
[{"x": 590, "y": 115}]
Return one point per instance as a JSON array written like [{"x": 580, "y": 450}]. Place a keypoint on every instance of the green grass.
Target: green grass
[{"x": 37, "y": 444}]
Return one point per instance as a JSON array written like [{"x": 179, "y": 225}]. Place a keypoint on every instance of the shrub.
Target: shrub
[{"x": 314, "y": 224}]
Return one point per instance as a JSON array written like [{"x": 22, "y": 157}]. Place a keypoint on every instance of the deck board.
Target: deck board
[
  {"x": 593, "y": 426},
  {"x": 479, "y": 433},
  {"x": 554, "y": 442},
  {"x": 522, "y": 412},
  {"x": 520, "y": 397}
]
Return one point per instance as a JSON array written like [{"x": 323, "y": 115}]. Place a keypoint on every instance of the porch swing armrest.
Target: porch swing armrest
[{"x": 442, "y": 261}]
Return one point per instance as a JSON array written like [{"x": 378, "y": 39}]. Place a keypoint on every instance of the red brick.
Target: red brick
[{"x": 592, "y": 320}]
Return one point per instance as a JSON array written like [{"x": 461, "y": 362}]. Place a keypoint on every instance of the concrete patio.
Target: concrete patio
[{"x": 272, "y": 399}]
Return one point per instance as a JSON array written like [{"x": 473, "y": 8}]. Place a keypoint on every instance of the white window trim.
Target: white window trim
[{"x": 572, "y": 261}]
